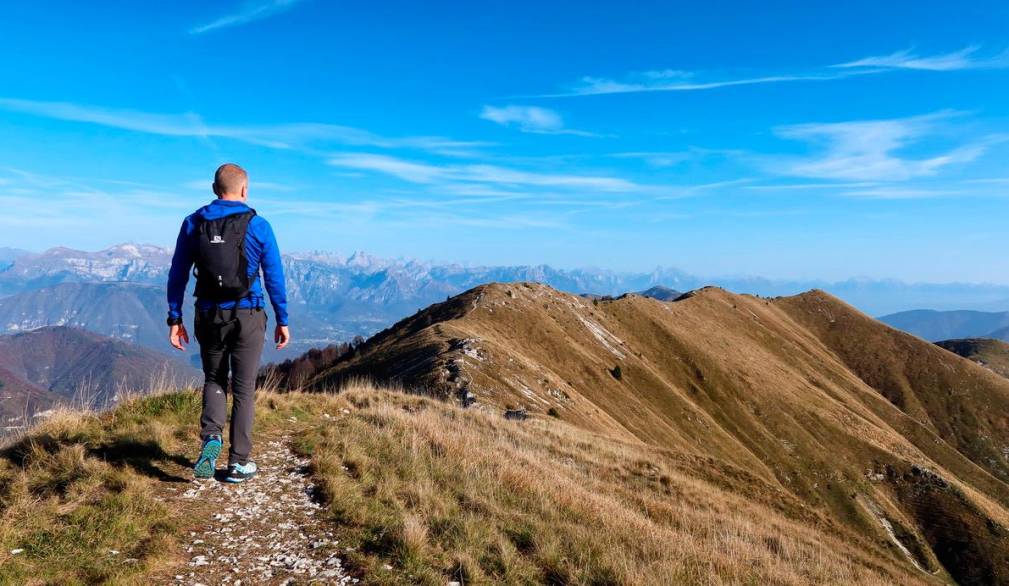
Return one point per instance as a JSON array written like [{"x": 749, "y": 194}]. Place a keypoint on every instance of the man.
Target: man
[{"x": 228, "y": 244}]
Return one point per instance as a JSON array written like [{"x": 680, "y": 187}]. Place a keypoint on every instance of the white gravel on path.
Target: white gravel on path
[{"x": 267, "y": 530}]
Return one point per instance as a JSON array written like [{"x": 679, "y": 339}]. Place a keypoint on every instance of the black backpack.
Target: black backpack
[{"x": 221, "y": 268}]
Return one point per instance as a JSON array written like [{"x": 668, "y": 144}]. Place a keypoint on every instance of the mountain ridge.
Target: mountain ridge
[{"x": 874, "y": 429}]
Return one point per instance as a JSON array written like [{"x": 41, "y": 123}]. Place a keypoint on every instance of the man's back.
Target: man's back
[{"x": 261, "y": 251}]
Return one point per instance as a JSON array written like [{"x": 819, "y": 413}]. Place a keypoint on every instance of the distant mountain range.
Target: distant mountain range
[
  {"x": 119, "y": 291},
  {"x": 131, "y": 312},
  {"x": 60, "y": 364},
  {"x": 936, "y": 326}
]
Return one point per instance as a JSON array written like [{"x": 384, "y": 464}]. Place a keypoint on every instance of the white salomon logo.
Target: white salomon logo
[{"x": 217, "y": 240}]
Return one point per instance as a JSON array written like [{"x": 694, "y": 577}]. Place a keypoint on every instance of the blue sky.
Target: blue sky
[{"x": 783, "y": 139}]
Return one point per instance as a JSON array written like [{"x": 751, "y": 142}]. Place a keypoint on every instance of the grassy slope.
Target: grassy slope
[
  {"x": 431, "y": 491},
  {"x": 806, "y": 394},
  {"x": 990, "y": 353},
  {"x": 80, "y": 486}
]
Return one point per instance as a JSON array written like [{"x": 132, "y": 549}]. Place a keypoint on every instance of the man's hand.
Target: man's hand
[
  {"x": 281, "y": 335},
  {"x": 177, "y": 335}
]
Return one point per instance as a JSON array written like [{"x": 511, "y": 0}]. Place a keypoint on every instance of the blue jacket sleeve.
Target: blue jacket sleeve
[
  {"x": 178, "y": 275},
  {"x": 273, "y": 273}
]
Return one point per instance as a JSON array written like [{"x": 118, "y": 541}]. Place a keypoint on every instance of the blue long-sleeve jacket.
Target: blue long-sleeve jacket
[{"x": 261, "y": 250}]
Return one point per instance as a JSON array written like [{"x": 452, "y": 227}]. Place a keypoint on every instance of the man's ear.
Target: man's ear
[
  {"x": 213, "y": 186},
  {"x": 245, "y": 192}
]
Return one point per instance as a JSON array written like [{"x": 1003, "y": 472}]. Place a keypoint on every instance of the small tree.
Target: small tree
[{"x": 617, "y": 373}]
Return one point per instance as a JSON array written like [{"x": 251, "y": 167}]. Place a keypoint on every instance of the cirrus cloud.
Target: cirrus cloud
[
  {"x": 249, "y": 12},
  {"x": 872, "y": 150},
  {"x": 532, "y": 119}
]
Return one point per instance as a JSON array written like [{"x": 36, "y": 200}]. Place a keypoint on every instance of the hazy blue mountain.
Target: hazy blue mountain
[
  {"x": 8, "y": 255},
  {"x": 130, "y": 312},
  {"x": 936, "y": 326},
  {"x": 135, "y": 313},
  {"x": 661, "y": 293},
  {"x": 119, "y": 291}
]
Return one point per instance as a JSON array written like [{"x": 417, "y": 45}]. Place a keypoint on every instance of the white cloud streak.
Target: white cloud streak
[
  {"x": 658, "y": 159},
  {"x": 249, "y": 12},
  {"x": 807, "y": 186},
  {"x": 670, "y": 80},
  {"x": 965, "y": 58},
  {"x": 868, "y": 150},
  {"x": 189, "y": 124},
  {"x": 643, "y": 83},
  {"x": 531, "y": 119},
  {"x": 428, "y": 174},
  {"x": 900, "y": 193},
  {"x": 527, "y": 118}
]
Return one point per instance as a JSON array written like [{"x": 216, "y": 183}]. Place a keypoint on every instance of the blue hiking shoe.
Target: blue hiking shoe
[
  {"x": 241, "y": 472},
  {"x": 206, "y": 464}
]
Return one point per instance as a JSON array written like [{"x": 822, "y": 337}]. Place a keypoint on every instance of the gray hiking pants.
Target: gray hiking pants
[{"x": 230, "y": 340}]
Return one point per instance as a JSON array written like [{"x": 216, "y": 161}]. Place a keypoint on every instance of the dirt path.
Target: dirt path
[{"x": 265, "y": 531}]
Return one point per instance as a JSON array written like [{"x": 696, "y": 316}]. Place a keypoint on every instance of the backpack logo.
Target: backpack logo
[{"x": 217, "y": 239}]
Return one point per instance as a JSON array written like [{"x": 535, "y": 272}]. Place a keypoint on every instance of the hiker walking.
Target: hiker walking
[{"x": 228, "y": 244}]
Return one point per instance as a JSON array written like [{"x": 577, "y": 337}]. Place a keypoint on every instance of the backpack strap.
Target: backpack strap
[{"x": 235, "y": 225}]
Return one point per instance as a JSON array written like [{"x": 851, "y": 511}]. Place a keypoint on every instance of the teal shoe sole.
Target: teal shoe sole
[{"x": 206, "y": 466}]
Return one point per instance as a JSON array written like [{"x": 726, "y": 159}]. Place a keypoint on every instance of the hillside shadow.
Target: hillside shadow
[{"x": 143, "y": 457}]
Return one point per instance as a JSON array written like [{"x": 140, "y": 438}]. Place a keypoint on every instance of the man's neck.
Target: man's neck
[{"x": 230, "y": 198}]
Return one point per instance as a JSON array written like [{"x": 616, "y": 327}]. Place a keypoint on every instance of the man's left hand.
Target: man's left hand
[{"x": 177, "y": 334}]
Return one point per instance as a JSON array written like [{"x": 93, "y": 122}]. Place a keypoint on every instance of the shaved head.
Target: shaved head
[{"x": 230, "y": 179}]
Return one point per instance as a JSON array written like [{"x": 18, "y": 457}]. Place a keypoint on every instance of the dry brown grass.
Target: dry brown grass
[
  {"x": 434, "y": 492},
  {"x": 438, "y": 493},
  {"x": 809, "y": 397}
]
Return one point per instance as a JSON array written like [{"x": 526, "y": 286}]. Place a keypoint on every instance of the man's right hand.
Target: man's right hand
[
  {"x": 281, "y": 336},
  {"x": 177, "y": 335}
]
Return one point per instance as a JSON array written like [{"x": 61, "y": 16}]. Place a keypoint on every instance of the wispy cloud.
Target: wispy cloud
[
  {"x": 81, "y": 205},
  {"x": 673, "y": 80},
  {"x": 640, "y": 83},
  {"x": 190, "y": 124},
  {"x": 900, "y": 193},
  {"x": 249, "y": 12},
  {"x": 869, "y": 150},
  {"x": 533, "y": 119},
  {"x": 526, "y": 118},
  {"x": 429, "y": 174},
  {"x": 187, "y": 124},
  {"x": 809, "y": 186},
  {"x": 966, "y": 58},
  {"x": 659, "y": 159}
]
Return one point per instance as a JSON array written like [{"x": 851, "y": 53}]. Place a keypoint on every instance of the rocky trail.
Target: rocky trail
[{"x": 267, "y": 530}]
